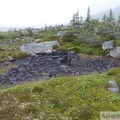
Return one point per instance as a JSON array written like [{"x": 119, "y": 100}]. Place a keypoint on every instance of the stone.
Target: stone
[
  {"x": 36, "y": 41},
  {"x": 5, "y": 74},
  {"x": 17, "y": 39},
  {"x": 22, "y": 69},
  {"x": 28, "y": 76},
  {"x": 6, "y": 63},
  {"x": 49, "y": 59},
  {"x": 114, "y": 90},
  {"x": 70, "y": 55},
  {"x": 59, "y": 60},
  {"x": 107, "y": 45},
  {"x": 112, "y": 84},
  {"x": 36, "y": 48},
  {"x": 10, "y": 59},
  {"x": 115, "y": 52},
  {"x": 60, "y": 33},
  {"x": 113, "y": 87},
  {"x": 12, "y": 79},
  {"x": 74, "y": 62}
]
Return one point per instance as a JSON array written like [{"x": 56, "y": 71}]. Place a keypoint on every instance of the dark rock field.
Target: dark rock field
[{"x": 57, "y": 63}]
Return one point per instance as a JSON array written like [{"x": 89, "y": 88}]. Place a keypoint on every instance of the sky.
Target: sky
[{"x": 40, "y": 12}]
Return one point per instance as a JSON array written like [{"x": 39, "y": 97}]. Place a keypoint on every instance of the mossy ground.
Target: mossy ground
[
  {"x": 11, "y": 49},
  {"x": 64, "y": 98}
]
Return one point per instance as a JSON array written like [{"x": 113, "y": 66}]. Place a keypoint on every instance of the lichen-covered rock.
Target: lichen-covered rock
[
  {"x": 107, "y": 45},
  {"x": 115, "y": 52},
  {"x": 61, "y": 33},
  {"x": 45, "y": 47}
]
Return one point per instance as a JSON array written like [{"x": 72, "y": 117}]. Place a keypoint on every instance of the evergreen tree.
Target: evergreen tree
[
  {"x": 118, "y": 22},
  {"x": 104, "y": 19},
  {"x": 110, "y": 16},
  {"x": 108, "y": 26},
  {"x": 81, "y": 20},
  {"x": 75, "y": 22},
  {"x": 88, "y": 18}
]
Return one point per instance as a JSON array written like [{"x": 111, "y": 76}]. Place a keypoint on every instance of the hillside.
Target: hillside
[
  {"x": 64, "y": 98},
  {"x": 116, "y": 13}
]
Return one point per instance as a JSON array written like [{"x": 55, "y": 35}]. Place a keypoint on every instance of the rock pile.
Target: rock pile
[{"x": 57, "y": 63}]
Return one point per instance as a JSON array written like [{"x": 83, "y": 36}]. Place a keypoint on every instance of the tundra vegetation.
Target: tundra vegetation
[{"x": 64, "y": 98}]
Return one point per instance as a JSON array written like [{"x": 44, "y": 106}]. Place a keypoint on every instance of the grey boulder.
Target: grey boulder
[
  {"x": 45, "y": 47},
  {"x": 107, "y": 45},
  {"x": 113, "y": 87},
  {"x": 115, "y": 52}
]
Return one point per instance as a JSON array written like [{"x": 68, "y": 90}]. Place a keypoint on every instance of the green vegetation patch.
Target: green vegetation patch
[{"x": 64, "y": 98}]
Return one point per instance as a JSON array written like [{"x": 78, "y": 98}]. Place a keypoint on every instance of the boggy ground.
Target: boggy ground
[{"x": 57, "y": 63}]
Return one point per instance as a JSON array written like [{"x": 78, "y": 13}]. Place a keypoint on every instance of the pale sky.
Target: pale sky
[{"x": 41, "y": 12}]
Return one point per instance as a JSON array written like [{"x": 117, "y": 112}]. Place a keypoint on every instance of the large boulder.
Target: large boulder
[
  {"x": 45, "y": 47},
  {"x": 107, "y": 45},
  {"x": 115, "y": 52}
]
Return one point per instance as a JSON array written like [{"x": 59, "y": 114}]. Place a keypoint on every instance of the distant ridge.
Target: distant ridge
[{"x": 116, "y": 13}]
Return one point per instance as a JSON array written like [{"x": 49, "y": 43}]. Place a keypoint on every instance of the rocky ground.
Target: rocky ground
[{"x": 58, "y": 63}]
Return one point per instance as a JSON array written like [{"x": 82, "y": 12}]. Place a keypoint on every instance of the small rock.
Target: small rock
[
  {"x": 5, "y": 74},
  {"x": 113, "y": 87},
  {"x": 114, "y": 90},
  {"x": 6, "y": 63},
  {"x": 12, "y": 79},
  {"x": 60, "y": 33},
  {"x": 112, "y": 84},
  {"x": 10, "y": 59},
  {"x": 22, "y": 69},
  {"x": 36, "y": 41}
]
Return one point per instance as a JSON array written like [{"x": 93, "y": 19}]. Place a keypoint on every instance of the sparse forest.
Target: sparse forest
[{"x": 80, "y": 35}]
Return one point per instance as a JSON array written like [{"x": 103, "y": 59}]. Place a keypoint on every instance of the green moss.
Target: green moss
[{"x": 71, "y": 98}]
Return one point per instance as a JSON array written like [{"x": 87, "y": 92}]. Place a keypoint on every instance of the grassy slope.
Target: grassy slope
[{"x": 64, "y": 98}]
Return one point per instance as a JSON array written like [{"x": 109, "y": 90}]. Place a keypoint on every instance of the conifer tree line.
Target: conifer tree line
[{"x": 93, "y": 32}]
